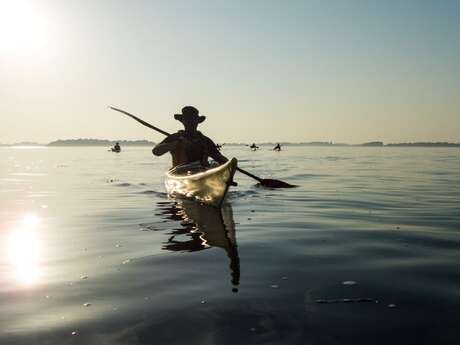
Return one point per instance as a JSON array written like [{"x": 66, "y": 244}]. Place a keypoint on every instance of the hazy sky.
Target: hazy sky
[{"x": 346, "y": 71}]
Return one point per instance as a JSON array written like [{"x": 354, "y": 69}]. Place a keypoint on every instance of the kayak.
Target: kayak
[
  {"x": 206, "y": 185},
  {"x": 115, "y": 150}
]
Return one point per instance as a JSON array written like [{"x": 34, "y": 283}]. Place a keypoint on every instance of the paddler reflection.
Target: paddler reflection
[{"x": 205, "y": 227}]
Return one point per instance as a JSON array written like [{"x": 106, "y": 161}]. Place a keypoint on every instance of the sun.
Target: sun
[{"x": 23, "y": 28}]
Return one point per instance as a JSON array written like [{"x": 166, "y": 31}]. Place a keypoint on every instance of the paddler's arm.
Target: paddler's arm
[
  {"x": 218, "y": 157},
  {"x": 167, "y": 145},
  {"x": 214, "y": 153}
]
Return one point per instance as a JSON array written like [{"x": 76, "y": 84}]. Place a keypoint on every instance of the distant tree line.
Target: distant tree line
[{"x": 99, "y": 142}]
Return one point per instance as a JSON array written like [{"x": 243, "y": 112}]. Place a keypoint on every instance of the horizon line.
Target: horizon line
[{"x": 145, "y": 142}]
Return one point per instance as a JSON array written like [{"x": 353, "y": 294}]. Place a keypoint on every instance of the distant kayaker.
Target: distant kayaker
[
  {"x": 189, "y": 145},
  {"x": 277, "y": 147},
  {"x": 253, "y": 147},
  {"x": 116, "y": 148}
]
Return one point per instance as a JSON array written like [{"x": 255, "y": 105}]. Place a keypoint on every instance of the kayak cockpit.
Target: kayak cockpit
[
  {"x": 191, "y": 168},
  {"x": 208, "y": 185}
]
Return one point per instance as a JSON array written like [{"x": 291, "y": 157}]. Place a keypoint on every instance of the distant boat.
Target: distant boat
[
  {"x": 254, "y": 147},
  {"x": 116, "y": 148}
]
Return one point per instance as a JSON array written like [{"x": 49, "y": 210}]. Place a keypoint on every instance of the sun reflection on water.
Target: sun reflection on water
[{"x": 24, "y": 250}]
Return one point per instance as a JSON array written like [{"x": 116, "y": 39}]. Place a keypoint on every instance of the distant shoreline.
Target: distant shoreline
[{"x": 109, "y": 143}]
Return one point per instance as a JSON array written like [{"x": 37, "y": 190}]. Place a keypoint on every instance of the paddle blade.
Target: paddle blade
[{"x": 271, "y": 183}]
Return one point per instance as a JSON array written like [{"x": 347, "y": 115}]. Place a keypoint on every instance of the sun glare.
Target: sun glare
[
  {"x": 24, "y": 30},
  {"x": 31, "y": 220},
  {"x": 23, "y": 250}
]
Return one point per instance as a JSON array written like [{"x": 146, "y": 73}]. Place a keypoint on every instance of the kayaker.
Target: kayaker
[
  {"x": 116, "y": 148},
  {"x": 253, "y": 147},
  {"x": 277, "y": 147},
  {"x": 189, "y": 145}
]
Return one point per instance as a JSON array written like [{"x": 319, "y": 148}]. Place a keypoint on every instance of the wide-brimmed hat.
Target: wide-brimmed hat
[{"x": 190, "y": 112}]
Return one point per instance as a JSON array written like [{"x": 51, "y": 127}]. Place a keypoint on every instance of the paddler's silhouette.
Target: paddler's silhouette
[
  {"x": 116, "y": 147},
  {"x": 189, "y": 145},
  {"x": 254, "y": 147}
]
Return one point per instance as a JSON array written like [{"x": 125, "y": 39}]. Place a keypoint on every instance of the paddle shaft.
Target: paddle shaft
[
  {"x": 166, "y": 133},
  {"x": 249, "y": 174},
  {"x": 146, "y": 124}
]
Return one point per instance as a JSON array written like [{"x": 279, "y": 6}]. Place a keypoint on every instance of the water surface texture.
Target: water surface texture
[{"x": 364, "y": 251}]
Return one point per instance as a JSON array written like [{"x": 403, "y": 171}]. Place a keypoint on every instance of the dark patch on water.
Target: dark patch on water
[
  {"x": 346, "y": 300},
  {"x": 306, "y": 176},
  {"x": 123, "y": 184},
  {"x": 234, "y": 194},
  {"x": 155, "y": 193},
  {"x": 336, "y": 158}
]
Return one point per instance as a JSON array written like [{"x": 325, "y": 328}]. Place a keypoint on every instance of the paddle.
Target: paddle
[{"x": 266, "y": 182}]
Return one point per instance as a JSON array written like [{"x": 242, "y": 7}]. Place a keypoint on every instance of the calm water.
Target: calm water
[{"x": 91, "y": 244}]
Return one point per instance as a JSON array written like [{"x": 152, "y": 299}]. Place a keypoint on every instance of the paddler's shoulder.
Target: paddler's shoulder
[
  {"x": 201, "y": 135},
  {"x": 177, "y": 134},
  {"x": 172, "y": 137},
  {"x": 195, "y": 135}
]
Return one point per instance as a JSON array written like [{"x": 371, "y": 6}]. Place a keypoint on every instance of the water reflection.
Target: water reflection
[
  {"x": 204, "y": 227},
  {"x": 24, "y": 250}
]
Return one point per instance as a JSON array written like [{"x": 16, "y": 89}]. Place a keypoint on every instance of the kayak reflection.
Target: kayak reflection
[{"x": 205, "y": 227}]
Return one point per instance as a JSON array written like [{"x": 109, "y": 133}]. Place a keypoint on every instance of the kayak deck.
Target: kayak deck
[{"x": 208, "y": 186}]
